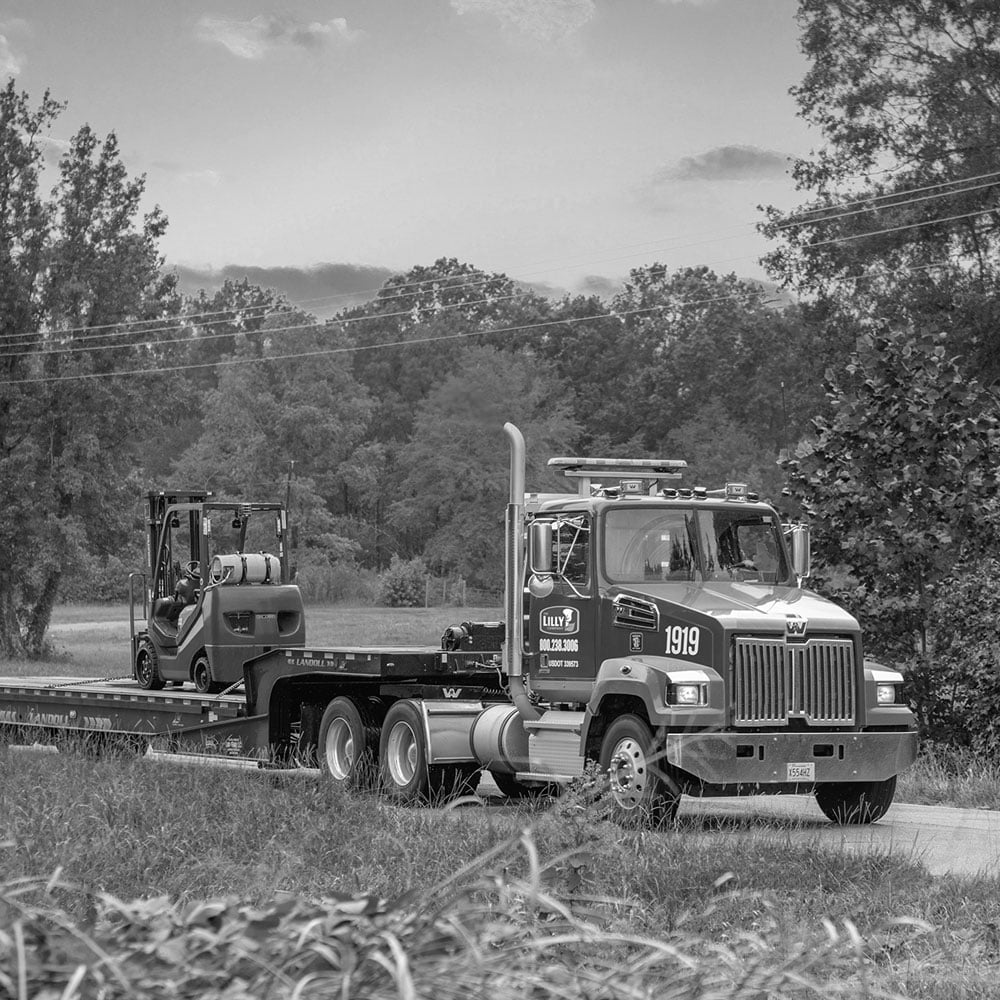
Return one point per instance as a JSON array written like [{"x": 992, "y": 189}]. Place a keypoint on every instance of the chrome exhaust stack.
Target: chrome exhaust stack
[{"x": 514, "y": 578}]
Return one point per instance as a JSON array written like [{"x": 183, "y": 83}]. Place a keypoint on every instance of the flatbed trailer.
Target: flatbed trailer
[{"x": 273, "y": 716}]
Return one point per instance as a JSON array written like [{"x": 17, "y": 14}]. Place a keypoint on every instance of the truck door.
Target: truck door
[{"x": 562, "y": 626}]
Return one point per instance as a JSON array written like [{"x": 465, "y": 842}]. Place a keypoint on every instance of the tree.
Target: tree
[
  {"x": 907, "y": 97},
  {"x": 456, "y": 468},
  {"x": 902, "y": 482},
  {"x": 83, "y": 301},
  {"x": 275, "y": 428}
]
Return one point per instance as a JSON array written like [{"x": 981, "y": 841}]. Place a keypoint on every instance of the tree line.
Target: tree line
[{"x": 868, "y": 403}]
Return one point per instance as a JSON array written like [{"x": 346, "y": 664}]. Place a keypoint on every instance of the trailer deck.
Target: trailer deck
[{"x": 117, "y": 711}]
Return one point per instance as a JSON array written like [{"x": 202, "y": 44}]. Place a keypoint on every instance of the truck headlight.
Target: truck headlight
[
  {"x": 885, "y": 694},
  {"x": 687, "y": 694}
]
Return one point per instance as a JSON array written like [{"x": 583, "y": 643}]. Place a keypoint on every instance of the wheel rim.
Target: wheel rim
[
  {"x": 202, "y": 678},
  {"x": 401, "y": 754},
  {"x": 340, "y": 749},
  {"x": 628, "y": 774},
  {"x": 143, "y": 668}
]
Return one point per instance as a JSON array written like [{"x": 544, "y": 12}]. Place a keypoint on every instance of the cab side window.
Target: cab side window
[{"x": 571, "y": 551}]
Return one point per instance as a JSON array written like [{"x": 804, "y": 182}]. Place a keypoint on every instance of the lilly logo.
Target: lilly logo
[
  {"x": 560, "y": 621},
  {"x": 795, "y": 625}
]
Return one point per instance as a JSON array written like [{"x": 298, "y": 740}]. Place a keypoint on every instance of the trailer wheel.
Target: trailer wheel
[
  {"x": 348, "y": 743},
  {"x": 147, "y": 667},
  {"x": 403, "y": 754},
  {"x": 642, "y": 791},
  {"x": 853, "y": 803}
]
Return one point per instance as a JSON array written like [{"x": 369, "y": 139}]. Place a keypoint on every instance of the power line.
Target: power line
[
  {"x": 326, "y": 352},
  {"x": 797, "y": 221},
  {"x": 405, "y": 289}
]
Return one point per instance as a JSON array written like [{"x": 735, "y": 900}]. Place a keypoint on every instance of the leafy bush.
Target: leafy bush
[
  {"x": 403, "y": 584},
  {"x": 479, "y": 933},
  {"x": 955, "y": 687},
  {"x": 339, "y": 583}
]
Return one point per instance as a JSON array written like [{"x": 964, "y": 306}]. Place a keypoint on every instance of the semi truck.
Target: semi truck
[{"x": 660, "y": 635}]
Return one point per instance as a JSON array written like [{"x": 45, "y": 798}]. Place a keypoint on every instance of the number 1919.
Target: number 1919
[{"x": 683, "y": 640}]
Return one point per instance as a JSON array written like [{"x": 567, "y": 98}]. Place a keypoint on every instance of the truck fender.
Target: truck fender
[{"x": 647, "y": 679}]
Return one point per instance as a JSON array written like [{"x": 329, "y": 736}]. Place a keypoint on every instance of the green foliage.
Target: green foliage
[
  {"x": 70, "y": 436},
  {"x": 403, "y": 584},
  {"x": 906, "y": 95},
  {"x": 455, "y": 472},
  {"x": 901, "y": 480},
  {"x": 955, "y": 687}
]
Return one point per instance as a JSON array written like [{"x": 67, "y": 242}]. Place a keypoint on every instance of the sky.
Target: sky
[{"x": 318, "y": 146}]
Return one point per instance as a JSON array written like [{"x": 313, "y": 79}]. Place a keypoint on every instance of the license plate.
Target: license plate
[{"x": 801, "y": 772}]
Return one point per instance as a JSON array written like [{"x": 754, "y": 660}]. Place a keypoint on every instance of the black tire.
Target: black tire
[
  {"x": 402, "y": 754},
  {"x": 201, "y": 674},
  {"x": 147, "y": 667},
  {"x": 642, "y": 791},
  {"x": 854, "y": 803},
  {"x": 348, "y": 743}
]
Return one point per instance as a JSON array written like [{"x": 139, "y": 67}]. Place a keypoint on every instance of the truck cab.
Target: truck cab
[{"x": 686, "y": 610}]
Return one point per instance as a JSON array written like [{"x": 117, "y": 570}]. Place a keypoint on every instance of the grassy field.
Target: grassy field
[{"x": 540, "y": 900}]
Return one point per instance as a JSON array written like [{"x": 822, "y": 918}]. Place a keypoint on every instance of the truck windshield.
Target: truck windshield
[{"x": 643, "y": 544}]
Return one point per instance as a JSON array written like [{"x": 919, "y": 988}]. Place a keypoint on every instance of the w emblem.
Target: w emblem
[{"x": 795, "y": 625}]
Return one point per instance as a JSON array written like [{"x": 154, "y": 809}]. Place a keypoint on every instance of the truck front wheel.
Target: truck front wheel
[
  {"x": 403, "y": 754},
  {"x": 348, "y": 743},
  {"x": 642, "y": 791},
  {"x": 852, "y": 803}
]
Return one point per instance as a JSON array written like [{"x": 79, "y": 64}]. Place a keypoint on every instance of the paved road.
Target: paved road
[{"x": 946, "y": 840}]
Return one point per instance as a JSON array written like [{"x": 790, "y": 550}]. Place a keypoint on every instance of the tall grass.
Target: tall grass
[{"x": 553, "y": 893}]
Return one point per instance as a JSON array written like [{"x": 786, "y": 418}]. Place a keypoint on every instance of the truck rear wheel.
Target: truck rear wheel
[
  {"x": 853, "y": 803},
  {"x": 348, "y": 743},
  {"x": 642, "y": 792},
  {"x": 147, "y": 667},
  {"x": 403, "y": 754}
]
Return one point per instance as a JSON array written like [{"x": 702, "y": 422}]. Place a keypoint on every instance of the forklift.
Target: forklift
[{"x": 218, "y": 591}]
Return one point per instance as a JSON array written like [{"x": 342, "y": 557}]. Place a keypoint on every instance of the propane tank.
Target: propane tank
[{"x": 249, "y": 567}]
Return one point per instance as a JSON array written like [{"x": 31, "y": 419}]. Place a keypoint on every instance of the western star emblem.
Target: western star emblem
[{"x": 795, "y": 625}]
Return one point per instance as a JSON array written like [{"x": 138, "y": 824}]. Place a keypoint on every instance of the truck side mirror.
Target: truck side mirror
[
  {"x": 540, "y": 548},
  {"x": 801, "y": 558}
]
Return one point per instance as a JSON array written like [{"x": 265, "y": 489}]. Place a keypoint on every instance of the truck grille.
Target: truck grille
[{"x": 774, "y": 681}]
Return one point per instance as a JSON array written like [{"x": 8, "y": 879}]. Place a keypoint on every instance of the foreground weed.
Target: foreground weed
[{"x": 477, "y": 933}]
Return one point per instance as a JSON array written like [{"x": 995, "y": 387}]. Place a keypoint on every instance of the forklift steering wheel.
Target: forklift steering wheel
[{"x": 192, "y": 569}]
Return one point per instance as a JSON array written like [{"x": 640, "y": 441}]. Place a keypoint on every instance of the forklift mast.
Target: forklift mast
[{"x": 160, "y": 558}]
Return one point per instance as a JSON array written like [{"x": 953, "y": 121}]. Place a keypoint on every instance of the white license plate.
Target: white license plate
[{"x": 801, "y": 772}]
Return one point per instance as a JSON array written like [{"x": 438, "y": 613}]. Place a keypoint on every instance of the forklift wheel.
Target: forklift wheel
[
  {"x": 147, "y": 667},
  {"x": 202, "y": 674}
]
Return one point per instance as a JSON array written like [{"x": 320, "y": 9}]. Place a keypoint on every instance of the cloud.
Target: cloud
[
  {"x": 726, "y": 163},
  {"x": 11, "y": 61},
  {"x": 211, "y": 178},
  {"x": 53, "y": 150},
  {"x": 323, "y": 289},
  {"x": 255, "y": 38},
  {"x": 599, "y": 285},
  {"x": 545, "y": 20}
]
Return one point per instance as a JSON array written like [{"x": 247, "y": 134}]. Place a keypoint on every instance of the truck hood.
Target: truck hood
[{"x": 749, "y": 607}]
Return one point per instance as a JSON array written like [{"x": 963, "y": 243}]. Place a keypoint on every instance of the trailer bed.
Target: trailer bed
[{"x": 116, "y": 711}]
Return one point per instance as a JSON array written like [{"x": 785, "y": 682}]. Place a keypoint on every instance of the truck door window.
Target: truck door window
[{"x": 571, "y": 550}]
